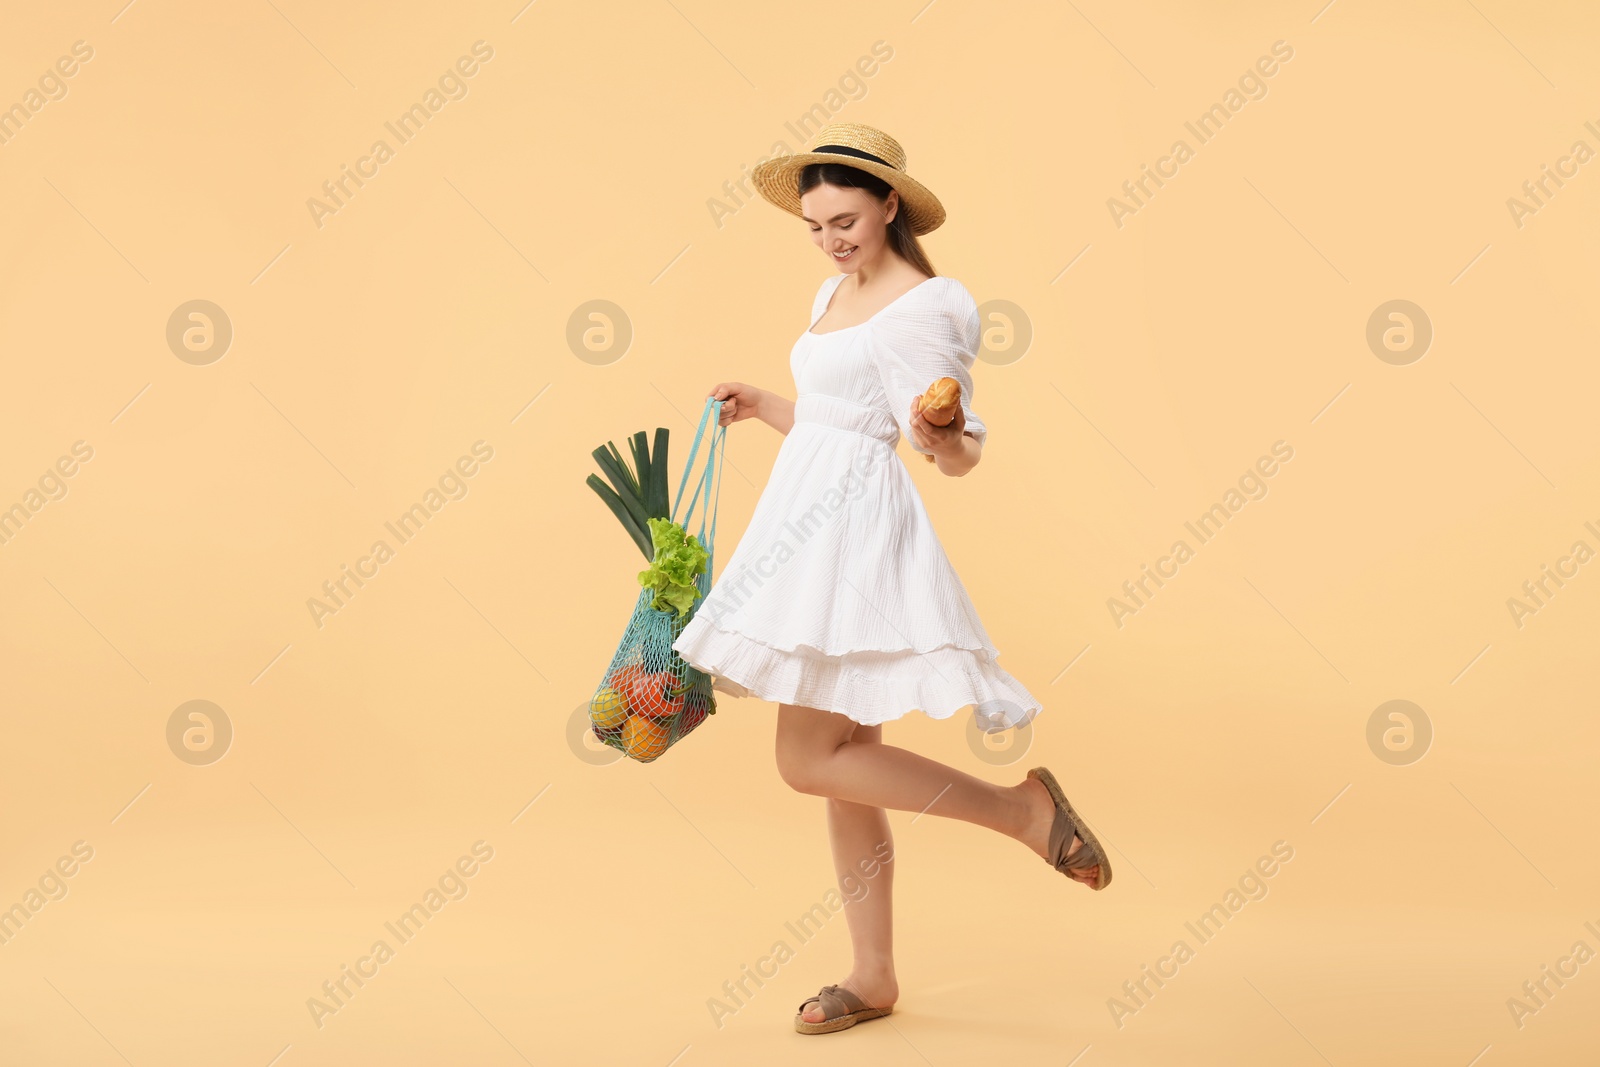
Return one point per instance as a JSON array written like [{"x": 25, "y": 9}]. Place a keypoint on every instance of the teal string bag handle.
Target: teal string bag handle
[
  {"x": 719, "y": 448},
  {"x": 711, "y": 405},
  {"x": 710, "y": 482}
]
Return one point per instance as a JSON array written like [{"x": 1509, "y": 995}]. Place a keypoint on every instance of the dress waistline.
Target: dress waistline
[{"x": 842, "y": 414}]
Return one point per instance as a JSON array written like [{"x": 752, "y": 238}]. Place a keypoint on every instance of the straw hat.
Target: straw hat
[{"x": 857, "y": 146}]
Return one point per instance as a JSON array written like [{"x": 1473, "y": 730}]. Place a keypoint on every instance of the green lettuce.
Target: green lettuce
[{"x": 679, "y": 558}]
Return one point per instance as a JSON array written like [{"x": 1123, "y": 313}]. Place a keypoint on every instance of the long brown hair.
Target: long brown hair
[{"x": 901, "y": 239}]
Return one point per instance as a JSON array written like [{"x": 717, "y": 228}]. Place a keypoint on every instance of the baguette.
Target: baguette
[{"x": 939, "y": 403}]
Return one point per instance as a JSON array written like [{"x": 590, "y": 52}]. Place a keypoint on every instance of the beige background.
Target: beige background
[{"x": 430, "y": 712}]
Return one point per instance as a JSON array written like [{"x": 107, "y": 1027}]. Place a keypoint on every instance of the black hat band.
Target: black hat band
[{"x": 846, "y": 150}]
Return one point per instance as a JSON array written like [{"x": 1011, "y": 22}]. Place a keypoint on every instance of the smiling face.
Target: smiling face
[{"x": 848, "y": 224}]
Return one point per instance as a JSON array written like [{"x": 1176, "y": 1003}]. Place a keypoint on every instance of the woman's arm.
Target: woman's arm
[
  {"x": 964, "y": 457},
  {"x": 776, "y": 411},
  {"x": 740, "y": 402}
]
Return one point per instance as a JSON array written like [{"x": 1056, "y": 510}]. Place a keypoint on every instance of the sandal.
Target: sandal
[
  {"x": 1068, "y": 825},
  {"x": 841, "y": 1009}
]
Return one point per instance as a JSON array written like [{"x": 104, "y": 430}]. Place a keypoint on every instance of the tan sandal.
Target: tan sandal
[
  {"x": 1069, "y": 824},
  {"x": 841, "y": 1009}
]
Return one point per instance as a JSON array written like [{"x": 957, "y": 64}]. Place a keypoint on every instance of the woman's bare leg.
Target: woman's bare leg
[
  {"x": 817, "y": 754},
  {"x": 863, "y": 860}
]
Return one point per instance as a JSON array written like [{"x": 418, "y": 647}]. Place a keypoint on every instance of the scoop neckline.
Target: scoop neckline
[{"x": 869, "y": 318}]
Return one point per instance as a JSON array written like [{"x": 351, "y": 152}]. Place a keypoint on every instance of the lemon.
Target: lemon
[{"x": 607, "y": 710}]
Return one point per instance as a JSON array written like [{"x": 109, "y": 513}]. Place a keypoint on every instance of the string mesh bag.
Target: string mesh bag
[{"x": 649, "y": 699}]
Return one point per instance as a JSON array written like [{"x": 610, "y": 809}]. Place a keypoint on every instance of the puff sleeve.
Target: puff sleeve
[{"x": 931, "y": 333}]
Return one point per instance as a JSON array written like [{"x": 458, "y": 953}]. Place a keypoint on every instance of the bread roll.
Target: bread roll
[{"x": 939, "y": 403}]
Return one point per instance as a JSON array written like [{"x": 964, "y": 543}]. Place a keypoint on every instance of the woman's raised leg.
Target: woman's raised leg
[{"x": 817, "y": 754}]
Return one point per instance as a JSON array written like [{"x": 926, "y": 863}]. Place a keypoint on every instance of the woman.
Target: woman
[{"x": 839, "y": 603}]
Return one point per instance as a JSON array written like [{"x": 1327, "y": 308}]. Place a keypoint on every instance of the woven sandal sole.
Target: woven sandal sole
[{"x": 842, "y": 1022}]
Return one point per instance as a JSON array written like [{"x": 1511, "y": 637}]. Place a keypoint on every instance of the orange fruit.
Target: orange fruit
[{"x": 643, "y": 738}]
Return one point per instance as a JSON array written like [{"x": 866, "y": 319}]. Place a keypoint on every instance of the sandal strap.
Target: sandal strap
[
  {"x": 835, "y": 1001},
  {"x": 1062, "y": 831}
]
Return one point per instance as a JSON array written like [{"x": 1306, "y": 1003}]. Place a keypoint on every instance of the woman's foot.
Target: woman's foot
[
  {"x": 1041, "y": 817},
  {"x": 878, "y": 991}
]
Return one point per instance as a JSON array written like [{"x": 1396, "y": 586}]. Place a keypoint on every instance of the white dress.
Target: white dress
[{"x": 840, "y": 595}]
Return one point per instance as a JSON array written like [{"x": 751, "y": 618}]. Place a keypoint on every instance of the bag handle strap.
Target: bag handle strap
[
  {"x": 694, "y": 451},
  {"x": 714, "y": 453},
  {"x": 705, "y": 481},
  {"x": 719, "y": 448}
]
